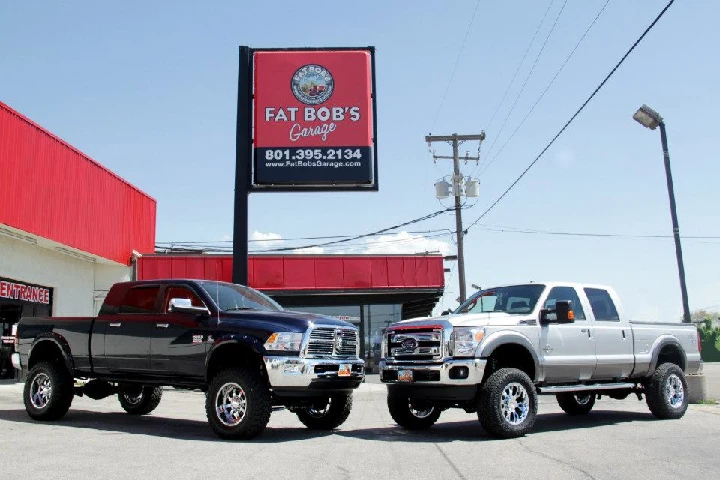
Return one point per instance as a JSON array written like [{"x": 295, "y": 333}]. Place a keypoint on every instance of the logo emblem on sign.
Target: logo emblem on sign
[
  {"x": 409, "y": 344},
  {"x": 312, "y": 84}
]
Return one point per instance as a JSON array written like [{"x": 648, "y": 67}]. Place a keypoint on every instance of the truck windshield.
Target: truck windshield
[
  {"x": 515, "y": 299},
  {"x": 229, "y": 296}
]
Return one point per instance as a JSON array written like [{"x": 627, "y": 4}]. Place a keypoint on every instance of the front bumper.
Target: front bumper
[
  {"x": 296, "y": 372},
  {"x": 438, "y": 374},
  {"x": 15, "y": 359}
]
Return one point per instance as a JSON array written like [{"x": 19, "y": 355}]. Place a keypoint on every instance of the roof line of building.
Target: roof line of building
[{"x": 25, "y": 119}]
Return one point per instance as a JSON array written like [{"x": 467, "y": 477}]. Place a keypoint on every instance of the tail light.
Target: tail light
[{"x": 699, "y": 342}]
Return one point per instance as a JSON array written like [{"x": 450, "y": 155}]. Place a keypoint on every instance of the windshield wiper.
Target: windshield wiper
[{"x": 239, "y": 308}]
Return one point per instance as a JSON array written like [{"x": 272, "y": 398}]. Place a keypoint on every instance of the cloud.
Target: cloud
[
  {"x": 406, "y": 243},
  {"x": 564, "y": 158},
  {"x": 266, "y": 240},
  {"x": 226, "y": 238},
  {"x": 309, "y": 251}
]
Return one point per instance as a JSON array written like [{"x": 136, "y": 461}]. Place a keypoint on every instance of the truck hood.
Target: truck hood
[
  {"x": 284, "y": 321},
  {"x": 473, "y": 320}
]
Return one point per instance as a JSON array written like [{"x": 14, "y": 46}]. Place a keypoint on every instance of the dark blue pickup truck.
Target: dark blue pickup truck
[{"x": 230, "y": 341}]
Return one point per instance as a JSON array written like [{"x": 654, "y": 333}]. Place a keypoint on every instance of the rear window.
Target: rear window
[
  {"x": 140, "y": 300},
  {"x": 602, "y": 305}
]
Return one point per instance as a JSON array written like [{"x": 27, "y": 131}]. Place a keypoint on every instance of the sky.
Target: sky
[{"x": 149, "y": 90}]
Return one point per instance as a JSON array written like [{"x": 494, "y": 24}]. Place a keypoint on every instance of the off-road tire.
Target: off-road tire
[
  {"x": 656, "y": 395},
  {"x": 59, "y": 398},
  {"x": 257, "y": 404},
  {"x": 490, "y": 411},
  {"x": 572, "y": 405},
  {"x": 139, "y": 399},
  {"x": 404, "y": 416},
  {"x": 334, "y": 415}
]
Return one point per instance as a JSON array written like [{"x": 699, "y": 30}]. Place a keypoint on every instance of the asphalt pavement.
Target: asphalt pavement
[{"x": 96, "y": 439}]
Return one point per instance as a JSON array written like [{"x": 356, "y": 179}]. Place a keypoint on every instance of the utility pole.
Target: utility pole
[{"x": 457, "y": 191}]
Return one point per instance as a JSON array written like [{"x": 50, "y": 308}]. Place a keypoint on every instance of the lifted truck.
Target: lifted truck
[
  {"x": 506, "y": 345},
  {"x": 232, "y": 342}
]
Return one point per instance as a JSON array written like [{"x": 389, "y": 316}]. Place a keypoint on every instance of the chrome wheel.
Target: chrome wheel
[
  {"x": 674, "y": 391},
  {"x": 40, "y": 391},
  {"x": 316, "y": 412},
  {"x": 583, "y": 399},
  {"x": 231, "y": 404},
  {"x": 514, "y": 403},
  {"x": 421, "y": 412},
  {"x": 133, "y": 398}
]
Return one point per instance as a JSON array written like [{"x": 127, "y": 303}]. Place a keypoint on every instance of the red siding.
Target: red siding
[
  {"x": 52, "y": 190},
  {"x": 300, "y": 272}
]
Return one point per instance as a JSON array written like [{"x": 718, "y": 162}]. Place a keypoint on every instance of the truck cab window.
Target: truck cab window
[
  {"x": 566, "y": 293},
  {"x": 180, "y": 292},
  {"x": 140, "y": 300},
  {"x": 602, "y": 305}
]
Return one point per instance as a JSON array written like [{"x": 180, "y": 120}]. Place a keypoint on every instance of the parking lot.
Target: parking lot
[{"x": 619, "y": 439}]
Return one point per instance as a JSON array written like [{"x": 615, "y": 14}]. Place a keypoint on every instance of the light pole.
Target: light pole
[{"x": 647, "y": 117}]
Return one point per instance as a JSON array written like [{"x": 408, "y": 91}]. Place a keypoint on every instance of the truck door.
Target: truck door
[
  {"x": 613, "y": 337},
  {"x": 179, "y": 340},
  {"x": 127, "y": 333},
  {"x": 568, "y": 350}
]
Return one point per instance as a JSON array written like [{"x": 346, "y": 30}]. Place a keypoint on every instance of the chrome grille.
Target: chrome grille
[
  {"x": 329, "y": 341},
  {"x": 415, "y": 344}
]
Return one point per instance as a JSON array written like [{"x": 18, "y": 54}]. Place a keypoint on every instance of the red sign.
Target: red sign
[
  {"x": 26, "y": 293},
  {"x": 313, "y": 116}
]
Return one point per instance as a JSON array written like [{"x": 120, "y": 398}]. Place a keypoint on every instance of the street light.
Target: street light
[{"x": 647, "y": 117}]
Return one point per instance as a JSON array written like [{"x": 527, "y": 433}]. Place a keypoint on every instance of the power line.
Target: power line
[
  {"x": 457, "y": 61},
  {"x": 527, "y": 78},
  {"x": 517, "y": 70},
  {"x": 281, "y": 239},
  {"x": 503, "y": 229},
  {"x": 567, "y": 59},
  {"x": 567, "y": 124},
  {"x": 357, "y": 237}
]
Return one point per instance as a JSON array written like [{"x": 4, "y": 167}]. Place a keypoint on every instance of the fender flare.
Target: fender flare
[
  {"x": 661, "y": 342},
  {"x": 246, "y": 341},
  {"x": 60, "y": 342},
  {"x": 497, "y": 339}
]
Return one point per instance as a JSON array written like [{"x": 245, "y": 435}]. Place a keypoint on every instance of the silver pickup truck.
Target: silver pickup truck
[{"x": 506, "y": 345}]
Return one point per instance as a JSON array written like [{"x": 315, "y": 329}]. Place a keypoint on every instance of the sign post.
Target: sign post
[{"x": 306, "y": 122}]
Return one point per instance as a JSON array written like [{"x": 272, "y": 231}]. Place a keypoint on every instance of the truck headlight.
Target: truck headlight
[
  {"x": 284, "y": 342},
  {"x": 465, "y": 340}
]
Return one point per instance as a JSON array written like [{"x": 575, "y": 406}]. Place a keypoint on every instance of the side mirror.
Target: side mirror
[
  {"x": 184, "y": 305},
  {"x": 446, "y": 312},
  {"x": 562, "y": 313}
]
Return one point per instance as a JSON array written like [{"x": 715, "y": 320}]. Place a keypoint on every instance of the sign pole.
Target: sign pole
[{"x": 243, "y": 166}]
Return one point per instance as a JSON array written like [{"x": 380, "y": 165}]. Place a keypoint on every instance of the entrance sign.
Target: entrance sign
[{"x": 314, "y": 119}]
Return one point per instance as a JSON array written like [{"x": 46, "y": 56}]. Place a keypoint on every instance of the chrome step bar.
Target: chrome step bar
[{"x": 551, "y": 390}]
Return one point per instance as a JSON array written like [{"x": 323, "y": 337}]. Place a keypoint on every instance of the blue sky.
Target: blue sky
[{"x": 149, "y": 90}]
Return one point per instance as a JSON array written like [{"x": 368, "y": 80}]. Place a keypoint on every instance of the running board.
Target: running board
[{"x": 584, "y": 388}]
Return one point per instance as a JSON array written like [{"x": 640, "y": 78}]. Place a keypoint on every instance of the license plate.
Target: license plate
[
  {"x": 405, "y": 375},
  {"x": 345, "y": 370}
]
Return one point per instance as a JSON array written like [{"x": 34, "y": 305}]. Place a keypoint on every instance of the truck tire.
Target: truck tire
[
  {"x": 48, "y": 391},
  {"x": 237, "y": 404},
  {"x": 409, "y": 416},
  {"x": 576, "y": 403},
  {"x": 666, "y": 392},
  {"x": 507, "y": 404},
  {"x": 139, "y": 399},
  {"x": 329, "y": 414}
]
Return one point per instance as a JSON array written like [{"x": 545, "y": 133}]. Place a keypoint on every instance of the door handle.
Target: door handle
[
  {"x": 115, "y": 324},
  {"x": 162, "y": 325},
  {"x": 623, "y": 334},
  {"x": 584, "y": 330}
]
